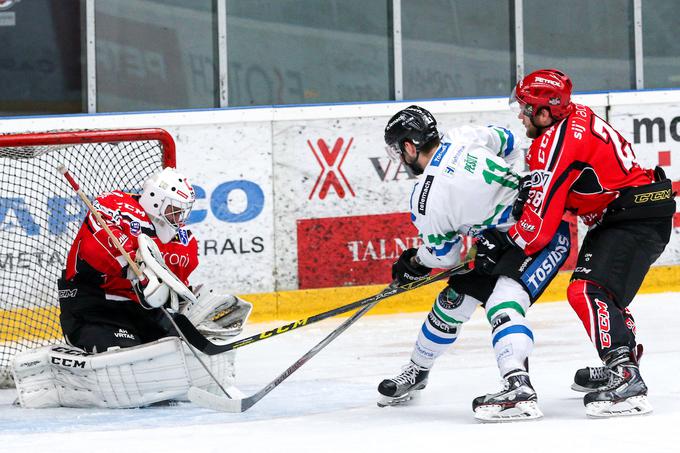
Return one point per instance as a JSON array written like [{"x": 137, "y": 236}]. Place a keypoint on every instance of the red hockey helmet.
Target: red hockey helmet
[{"x": 549, "y": 88}]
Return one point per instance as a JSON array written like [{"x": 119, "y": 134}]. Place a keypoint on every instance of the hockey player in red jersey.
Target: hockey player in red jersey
[
  {"x": 580, "y": 163},
  {"x": 122, "y": 350},
  {"x": 100, "y": 305}
]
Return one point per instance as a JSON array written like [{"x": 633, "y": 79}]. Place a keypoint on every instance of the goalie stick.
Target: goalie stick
[
  {"x": 216, "y": 402},
  {"x": 133, "y": 266},
  {"x": 200, "y": 342}
]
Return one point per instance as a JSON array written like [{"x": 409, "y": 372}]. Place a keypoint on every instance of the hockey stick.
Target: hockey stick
[
  {"x": 216, "y": 402},
  {"x": 133, "y": 265},
  {"x": 204, "y": 345}
]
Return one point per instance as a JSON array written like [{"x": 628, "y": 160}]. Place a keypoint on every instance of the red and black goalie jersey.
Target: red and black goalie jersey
[
  {"x": 94, "y": 260},
  {"x": 579, "y": 164}
]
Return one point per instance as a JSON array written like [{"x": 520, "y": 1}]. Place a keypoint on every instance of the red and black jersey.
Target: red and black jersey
[
  {"x": 580, "y": 164},
  {"x": 94, "y": 260}
]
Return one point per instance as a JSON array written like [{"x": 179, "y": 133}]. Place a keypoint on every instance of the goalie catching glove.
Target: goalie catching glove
[
  {"x": 217, "y": 316},
  {"x": 159, "y": 285}
]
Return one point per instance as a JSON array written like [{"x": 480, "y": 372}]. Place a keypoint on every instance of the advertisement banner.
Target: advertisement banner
[
  {"x": 653, "y": 129},
  {"x": 232, "y": 218},
  {"x": 345, "y": 251},
  {"x": 360, "y": 250}
]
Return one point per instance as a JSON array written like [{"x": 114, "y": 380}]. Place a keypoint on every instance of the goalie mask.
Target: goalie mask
[{"x": 167, "y": 198}]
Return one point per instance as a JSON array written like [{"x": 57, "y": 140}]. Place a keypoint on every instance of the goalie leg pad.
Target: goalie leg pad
[
  {"x": 62, "y": 375},
  {"x": 221, "y": 366},
  {"x": 442, "y": 326}
]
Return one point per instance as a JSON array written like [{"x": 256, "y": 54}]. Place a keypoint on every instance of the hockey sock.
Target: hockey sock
[
  {"x": 512, "y": 337},
  {"x": 442, "y": 326},
  {"x": 607, "y": 325}
]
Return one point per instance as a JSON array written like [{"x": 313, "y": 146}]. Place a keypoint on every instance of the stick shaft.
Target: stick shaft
[
  {"x": 100, "y": 220},
  {"x": 216, "y": 402},
  {"x": 209, "y": 348},
  {"x": 250, "y": 401}
]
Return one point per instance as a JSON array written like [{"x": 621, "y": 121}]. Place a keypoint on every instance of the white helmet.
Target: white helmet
[{"x": 167, "y": 197}]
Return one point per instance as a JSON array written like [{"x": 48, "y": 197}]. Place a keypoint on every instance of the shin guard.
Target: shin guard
[
  {"x": 442, "y": 326},
  {"x": 512, "y": 337},
  {"x": 607, "y": 325}
]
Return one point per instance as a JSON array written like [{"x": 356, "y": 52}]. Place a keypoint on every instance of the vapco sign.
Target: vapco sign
[
  {"x": 357, "y": 250},
  {"x": 330, "y": 159}
]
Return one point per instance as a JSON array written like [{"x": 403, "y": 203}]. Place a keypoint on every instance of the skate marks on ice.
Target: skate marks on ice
[{"x": 297, "y": 399}]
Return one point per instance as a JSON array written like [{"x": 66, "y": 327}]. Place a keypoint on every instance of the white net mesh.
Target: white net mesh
[{"x": 40, "y": 216}]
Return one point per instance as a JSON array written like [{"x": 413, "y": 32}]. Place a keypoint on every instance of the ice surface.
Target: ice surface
[{"x": 329, "y": 404}]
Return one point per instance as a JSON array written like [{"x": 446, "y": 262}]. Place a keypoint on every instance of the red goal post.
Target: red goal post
[{"x": 40, "y": 216}]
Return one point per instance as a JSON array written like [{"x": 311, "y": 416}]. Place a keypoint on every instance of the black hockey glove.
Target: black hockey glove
[
  {"x": 522, "y": 197},
  {"x": 407, "y": 270},
  {"x": 491, "y": 246}
]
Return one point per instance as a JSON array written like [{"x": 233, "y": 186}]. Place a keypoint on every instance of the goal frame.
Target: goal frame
[{"x": 67, "y": 138}]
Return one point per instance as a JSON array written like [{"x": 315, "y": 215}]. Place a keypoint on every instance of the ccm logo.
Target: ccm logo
[
  {"x": 653, "y": 196},
  {"x": 603, "y": 323},
  {"x": 71, "y": 363}
]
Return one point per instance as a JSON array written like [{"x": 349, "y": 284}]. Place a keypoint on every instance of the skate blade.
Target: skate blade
[
  {"x": 522, "y": 411},
  {"x": 389, "y": 401},
  {"x": 580, "y": 388},
  {"x": 636, "y": 405}
]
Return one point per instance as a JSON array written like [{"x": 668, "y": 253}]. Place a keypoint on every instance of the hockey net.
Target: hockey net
[{"x": 40, "y": 216}]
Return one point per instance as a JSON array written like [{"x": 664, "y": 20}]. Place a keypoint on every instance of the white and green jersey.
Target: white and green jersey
[{"x": 468, "y": 186}]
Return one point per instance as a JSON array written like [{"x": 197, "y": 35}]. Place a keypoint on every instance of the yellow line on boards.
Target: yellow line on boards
[{"x": 292, "y": 305}]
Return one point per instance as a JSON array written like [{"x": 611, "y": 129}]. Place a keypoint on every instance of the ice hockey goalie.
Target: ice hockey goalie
[{"x": 121, "y": 350}]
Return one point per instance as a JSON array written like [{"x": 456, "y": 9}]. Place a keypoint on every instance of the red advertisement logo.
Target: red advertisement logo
[
  {"x": 331, "y": 160},
  {"x": 358, "y": 250}
]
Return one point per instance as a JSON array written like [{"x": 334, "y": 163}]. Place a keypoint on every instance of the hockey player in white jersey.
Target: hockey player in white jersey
[{"x": 469, "y": 187}]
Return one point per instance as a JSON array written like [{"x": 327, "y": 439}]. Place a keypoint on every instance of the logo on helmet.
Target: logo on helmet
[
  {"x": 554, "y": 101},
  {"x": 398, "y": 119},
  {"x": 548, "y": 81}
]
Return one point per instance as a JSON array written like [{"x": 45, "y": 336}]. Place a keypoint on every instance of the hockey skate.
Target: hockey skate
[
  {"x": 403, "y": 388},
  {"x": 590, "y": 379},
  {"x": 625, "y": 392},
  {"x": 517, "y": 401}
]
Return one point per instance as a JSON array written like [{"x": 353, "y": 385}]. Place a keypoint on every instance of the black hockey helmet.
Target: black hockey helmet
[{"x": 415, "y": 124}]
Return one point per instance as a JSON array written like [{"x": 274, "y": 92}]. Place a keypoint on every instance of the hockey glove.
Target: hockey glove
[
  {"x": 217, "y": 315},
  {"x": 522, "y": 197},
  {"x": 407, "y": 270},
  {"x": 491, "y": 246}
]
